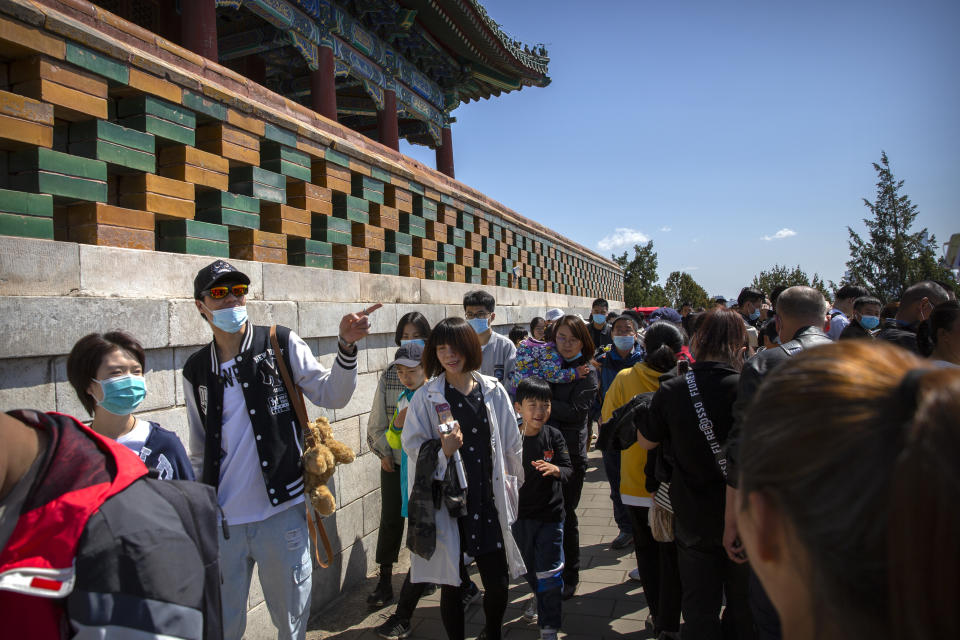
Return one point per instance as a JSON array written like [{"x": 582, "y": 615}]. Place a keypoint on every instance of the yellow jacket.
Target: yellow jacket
[{"x": 637, "y": 379}]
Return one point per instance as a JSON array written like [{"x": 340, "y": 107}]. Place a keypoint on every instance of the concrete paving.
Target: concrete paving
[{"x": 608, "y": 605}]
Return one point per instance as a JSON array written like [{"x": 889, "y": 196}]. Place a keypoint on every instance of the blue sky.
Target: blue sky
[{"x": 735, "y": 134}]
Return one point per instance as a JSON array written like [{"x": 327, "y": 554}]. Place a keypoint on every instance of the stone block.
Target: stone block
[
  {"x": 31, "y": 267},
  {"x": 285, "y": 282},
  {"x": 56, "y": 323},
  {"x": 348, "y": 525},
  {"x": 269, "y": 313},
  {"x": 161, "y": 381},
  {"x": 320, "y": 319},
  {"x": 380, "y": 350},
  {"x": 364, "y": 447},
  {"x": 150, "y": 275},
  {"x": 362, "y": 397},
  {"x": 383, "y": 288},
  {"x": 357, "y": 479},
  {"x": 353, "y": 567},
  {"x": 187, "y": 326},
  {"x": 348, "y": 432},
  {"x": 326, "y": 351},
  {"x": 27, "y": 383},
  {"x": 439, "y": 292},
  {"x": 454, "y": 310},
  {"x": 371, "y": 512},
  {"x": 434, "y": 313}
]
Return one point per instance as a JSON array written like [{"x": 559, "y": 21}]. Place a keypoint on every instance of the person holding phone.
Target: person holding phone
[
  {"x": 472, "y": 417},
  {"x": 245, "y": 442}
]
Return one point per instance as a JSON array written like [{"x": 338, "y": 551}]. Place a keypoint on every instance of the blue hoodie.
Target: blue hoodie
[{"x": 610, "y": 365}]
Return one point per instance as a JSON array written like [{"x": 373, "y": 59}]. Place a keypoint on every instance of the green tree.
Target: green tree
[
  {"x": 640, "y": 277},
  {"x": 680, "y": 287},
  {"x": 784, "y": 276},
  {"x": 892, "y": 258}
]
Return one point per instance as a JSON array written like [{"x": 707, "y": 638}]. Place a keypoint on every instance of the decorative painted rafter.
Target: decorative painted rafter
[{"x": 303, "y": 32}]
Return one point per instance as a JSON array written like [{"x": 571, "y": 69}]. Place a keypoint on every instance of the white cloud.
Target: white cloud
[
  {"x": 622, "y": 237},
  {"x": 666, "y": 229},
  {"x": 780, "y": 235}
]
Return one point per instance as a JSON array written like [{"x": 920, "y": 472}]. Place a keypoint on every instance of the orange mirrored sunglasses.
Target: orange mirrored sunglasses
[{"x": 218, "y": 293}]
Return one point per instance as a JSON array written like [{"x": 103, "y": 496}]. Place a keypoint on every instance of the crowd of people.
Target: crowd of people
[{"x": 780, "y": 468}]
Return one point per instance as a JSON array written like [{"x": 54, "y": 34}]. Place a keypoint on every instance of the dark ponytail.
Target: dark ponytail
[{"x": 662, "y": 341}]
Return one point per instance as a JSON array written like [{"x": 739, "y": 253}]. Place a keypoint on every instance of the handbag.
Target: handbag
[{"x": 296, "y": 399}]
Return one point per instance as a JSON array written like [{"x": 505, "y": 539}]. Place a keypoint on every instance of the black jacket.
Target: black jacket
[
  {"x": 753, "y": 373},
  {"x": 570, "y": 410},
  {"x": 903, "y": 335},
  {"x": 855, "y": 330}
]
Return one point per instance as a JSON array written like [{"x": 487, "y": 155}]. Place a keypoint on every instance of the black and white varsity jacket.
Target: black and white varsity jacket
[{"x": 279, "y": 440}]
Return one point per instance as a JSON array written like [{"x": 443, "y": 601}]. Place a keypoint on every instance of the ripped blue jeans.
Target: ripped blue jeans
[{"x": 541, "y": 545}]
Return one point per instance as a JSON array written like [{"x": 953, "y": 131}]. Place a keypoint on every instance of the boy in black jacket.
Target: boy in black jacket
[{"x": 538, "y": 530}]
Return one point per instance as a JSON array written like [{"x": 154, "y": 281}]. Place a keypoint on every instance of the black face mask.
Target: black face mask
[{"x": 925, "y": 338}]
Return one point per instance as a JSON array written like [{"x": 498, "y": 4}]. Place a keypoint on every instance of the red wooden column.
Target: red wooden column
[
  {"x": 198, "y": 27},
  {"x": 323, "y": 87},
  {"x": 387, "y": 125},
  {"x": 445, "y": 154}
]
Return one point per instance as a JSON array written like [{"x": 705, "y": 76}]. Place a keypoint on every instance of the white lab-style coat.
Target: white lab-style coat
[{"x": 506, "y": 445}]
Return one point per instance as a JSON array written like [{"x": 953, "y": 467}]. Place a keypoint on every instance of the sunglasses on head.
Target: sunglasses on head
[{"x": 218, "y": 293}]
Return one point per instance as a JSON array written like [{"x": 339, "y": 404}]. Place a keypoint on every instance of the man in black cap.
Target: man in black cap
[{"x": 245, "y": 441}]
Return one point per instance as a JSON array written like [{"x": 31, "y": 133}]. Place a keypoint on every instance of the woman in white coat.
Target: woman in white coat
[{"x": 490, "y": 446}]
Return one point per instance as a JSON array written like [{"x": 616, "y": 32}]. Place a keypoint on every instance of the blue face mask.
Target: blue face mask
[
  {"x": 870, "y": 322},
  {"x": 755, "y": 315},
  {"x": 122, "y": 394},
  {"x": 623, "y": 343},
  {"x": 418, "y": 341},
  {"x": 599, "y": 318},
  {"x": 480, "y": 325},
  {"x": 230, "y": 320}
]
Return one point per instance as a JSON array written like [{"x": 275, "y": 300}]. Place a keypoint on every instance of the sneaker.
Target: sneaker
[
  {"x": 622, "y": 541},
  {"x": 568, "y": 591},
  {"x": 471, "y": 594},
  {"x": 649, "y": 624},
  {"x": 530, "y": 611},
  {"x": 634, "y": 575},
  {"x": 548, "y": 634},
  {"x": 395, "y": 628},
  {"x": 382, "y": 595}
]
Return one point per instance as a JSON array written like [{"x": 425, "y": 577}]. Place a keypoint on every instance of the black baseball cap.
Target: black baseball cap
[{"x": 215, "y": 273}]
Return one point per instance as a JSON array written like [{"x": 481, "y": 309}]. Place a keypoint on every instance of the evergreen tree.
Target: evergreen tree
[
  {"x": 892, "y": 258},
  {"x": 680, "y": 287},
  {"x": 784, "y": 276},
  {"x": 640, "y": 277}
]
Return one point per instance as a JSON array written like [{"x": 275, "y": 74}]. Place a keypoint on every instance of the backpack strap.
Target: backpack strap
[{"x": 296, "y": 398}]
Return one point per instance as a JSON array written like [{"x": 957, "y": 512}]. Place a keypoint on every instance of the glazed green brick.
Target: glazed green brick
[
  {"x": 384, "y": 269},
  {"x": 456, "y": 238},
  {"x": 445, "y": 199},
  {"x": 343, "y": 201},
  {"x": 196, "y": 246},
  {"x": 514, "y": 253},
  {"x": 258, "y": 174},
  {"x": 424, "y": 207},
  {"x": 306, "y": 245},
  {"x": 151, "y": 106},
  {"x": 193, "y": 229},
  {"x": 502, "y": 279},
  {"x": 340, "y": 225},
  {"x": 436, "y": 270},
  {"x": 97, "y": 63},
  {"x": 464, "y": 220},
  {"x": 380, "y": 174},
  {"x": 398, "y": 241},
  {"x": 474, "y": 275},
  {"x": 161, "y": 129},
  {"x": 65, "y": 188},
  {"x": 416, "y": 188},
  {"x": 384, "y": 257},
  {"x": 489, "y": 245},
  {"x": 373, "y": 196},
  {"x": 361, "y": 183},
  {"x": 309, "y": 259},
  {"x": 524, "y": 282},
  {"x": 204, "y": 105},
  {"x": 413, "y": 224},
  {"x": 231, "y": 218},
  {"x": 214, "y": 199},
  {"x": 496, "y": 232},
  {"x": 328, "y": 235},
  {"x": 93, "y": 130},
  {"x": 336, "y": 158},
  {"x": 115, "y": 155},
  {"x": 283, "y": 167},
  {"x": 12, "y": 224},
  {"x": 398, "y": 247},
  {"x": 446, "y": 252},
  {"x": 275, "y": 151},
  {"x": 26, "y": 204},
  {"x": 481, "y": 259},
  {"x": 279, "y": 134},
  {"x": 259, "y": 191},
  {"x": 41, "y": 159}
]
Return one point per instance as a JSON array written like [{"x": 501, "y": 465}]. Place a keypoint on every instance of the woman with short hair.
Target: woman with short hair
[
  {"x": 106, "y": 370},
  {"x": 461, "y": 417}
]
